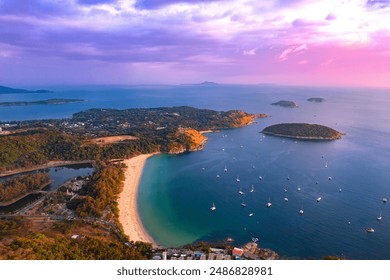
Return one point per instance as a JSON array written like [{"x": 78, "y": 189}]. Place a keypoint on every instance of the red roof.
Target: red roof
[{"x": 238, "y": 251}]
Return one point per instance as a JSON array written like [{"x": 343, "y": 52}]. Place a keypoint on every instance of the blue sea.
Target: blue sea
[{"x": 177, "y": 191}]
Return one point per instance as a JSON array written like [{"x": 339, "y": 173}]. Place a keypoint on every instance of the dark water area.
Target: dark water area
[{"x": 58, "y": 176}]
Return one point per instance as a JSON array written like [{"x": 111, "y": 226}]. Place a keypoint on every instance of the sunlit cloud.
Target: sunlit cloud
[{"x": 213, "y": 38}]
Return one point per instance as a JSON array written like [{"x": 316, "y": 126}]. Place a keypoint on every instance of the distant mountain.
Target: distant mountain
[
  {"x": 206, "y": 83},
  {"x": 5, "y": 90}
]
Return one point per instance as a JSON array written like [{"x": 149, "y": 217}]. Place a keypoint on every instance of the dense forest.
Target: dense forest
[
  {"x": 14, "y": 188},
  {"x": 101, "y": 191},
  {"x": 303, "y": 131}
]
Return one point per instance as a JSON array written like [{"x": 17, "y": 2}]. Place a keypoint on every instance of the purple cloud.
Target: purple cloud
[
  {"x": 94, "y": 2},
  {"x": 331, "y": 17},
  {"x": 378, "y": 3},
  {"x": 156, "y": 4},
  {"x": 31, "y": 7}
]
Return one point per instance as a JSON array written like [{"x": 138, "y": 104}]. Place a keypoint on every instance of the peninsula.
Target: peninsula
[
  {"x": 303, "y": 131},
  {"x": 41, "y": 102},
  {"x": 286, "y": 104},
  {"x": 7, "y": 90}
]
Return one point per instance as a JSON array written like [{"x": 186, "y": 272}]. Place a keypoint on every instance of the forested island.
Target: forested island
[
  {"x": 286, "y": 104},
  {"x": 303, "y": 131},
  {"x": 41, "y": 102}
]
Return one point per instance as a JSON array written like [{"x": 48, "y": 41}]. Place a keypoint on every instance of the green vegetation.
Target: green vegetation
[
  {"x": 303, "y": 131},
  {"x": 41, "y": 102},
  {"x": 15, "y": 188},
  {"x": 285, "y": 103},
  {"x": 101, "y": 191}
]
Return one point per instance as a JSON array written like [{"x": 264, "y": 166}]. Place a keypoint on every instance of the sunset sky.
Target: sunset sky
[{"x": 296, "y": 42}]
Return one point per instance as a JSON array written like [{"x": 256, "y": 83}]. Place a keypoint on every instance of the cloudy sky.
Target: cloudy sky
[{"x": 303, "y": 42}]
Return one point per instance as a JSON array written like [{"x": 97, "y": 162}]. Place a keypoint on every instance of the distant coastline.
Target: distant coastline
[
  {"x": 41, "y": 102},
  {"x": 8, "y": 90}
]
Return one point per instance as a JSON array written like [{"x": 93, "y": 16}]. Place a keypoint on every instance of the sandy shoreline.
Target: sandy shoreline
[{"x": 127, "y": 201}]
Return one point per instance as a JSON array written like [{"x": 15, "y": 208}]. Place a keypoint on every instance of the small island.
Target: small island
[
  {"x": 286, "y": 104},
  {"x": 7, "y": 90},
  {"x": 303, "y": 131},
  {"x": 52, "y": 101},
  {"x": 316, "y": 99}
]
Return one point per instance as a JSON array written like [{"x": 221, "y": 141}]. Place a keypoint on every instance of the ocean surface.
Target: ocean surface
[{"x": 177, "y": 191}]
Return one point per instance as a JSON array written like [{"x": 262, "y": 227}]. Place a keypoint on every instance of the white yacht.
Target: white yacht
[
  {"x": 213, "y": 208},
  {"x": 240, "y": 191},
  {"x": 238, "y": 179},
  {"x": 319, "y": 199},
  {"x": 384, "y": 200},
  {"x": 301, "y": 211},
  {"x": 252, "y": 189},
  {"x": 269, "y": 204},
  {"x": 260, "y": 178},
  {"x": 251, "y": 214},
  {"x": 380, "y": 216},
  {"x": 286, "y": 199},
  {"x": 225, "y": 169},
  {"x": 370, "y": 230}
]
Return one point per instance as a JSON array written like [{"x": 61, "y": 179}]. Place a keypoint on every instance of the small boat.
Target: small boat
[
  {"x": 254, "y": 239},
  {"x": 225, "y": 169},
  {"x": 340, "y": 190},
  {"x": 260, "y": 178},
  {"x": 218, "y": 176},
  {"x": 243, "y": 204},
  {"x": 326, "y": 165},
  {"x": 251, "y": 214},
  {"x": 384, "y": 200},
  {"x": 238, "y": 180},
  {"x": 240, "y": 191},
  {"x": 370, "y": 230},
  {"x": 380, "y": 216},
  {"x": 330, "y": 178},
  {"x": 252, "y": 189},
  {"x": 213, "y": 208},
  {"x": 301, "y": 211},
  {"x": 299, "y": 189},
  {"x": 223, "y": 150},
  {"x": 285, "y": 189},
  {"x": 269, "y": 204},
  {"x": 286, "y": 199},
  {"x": 288, "y": 177},
  {"x": 203, "y": 169},
  {"x": 319, "y": 199}
]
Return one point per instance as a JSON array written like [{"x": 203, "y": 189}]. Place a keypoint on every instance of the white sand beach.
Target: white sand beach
[{"x": 127, "y": 202}]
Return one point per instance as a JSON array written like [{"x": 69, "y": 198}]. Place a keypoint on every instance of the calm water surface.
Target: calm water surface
[{"x": 176, "y": 192}]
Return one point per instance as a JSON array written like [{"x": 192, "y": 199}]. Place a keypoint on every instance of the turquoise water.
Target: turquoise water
[{"x": 176, "y": 192}]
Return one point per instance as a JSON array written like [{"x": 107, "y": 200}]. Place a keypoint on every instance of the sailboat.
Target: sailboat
[
  {"x": 243, "y": 204},
  {"x": 260, "y": 178},
  {"x": 213, "y": 208},
  {"x": 384, "y": 200},
  {"x": 319, "y": 199},
  {"x": 252, "y": 189},
  {"x": 286, "y": 199},
  {"x": 238, "y": 179},
  {"x": 370, "y": 230},
  {"x": 240, "y": 191},
  {"x": 225, "y": 169},
  {"x": 301, "y": 211},
  {"x": 380, "y": 216},
  {"x": 251, "y": 214},
  {"x": 269, "y": 204}
]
